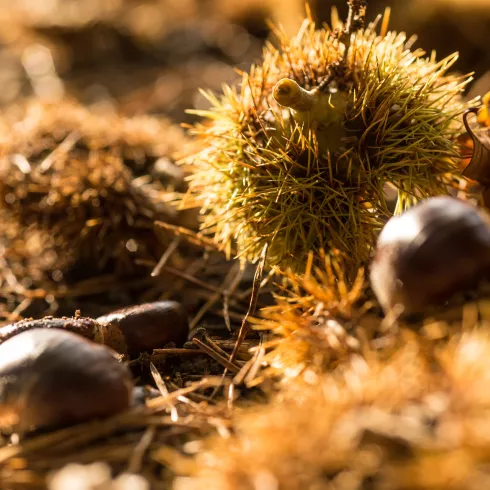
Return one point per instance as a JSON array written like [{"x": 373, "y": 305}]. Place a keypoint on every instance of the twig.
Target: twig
[
  {"x": 250, "y": 369},
  {"x": 64, "y": 147},
  {"x": 222, "y": 291},
  {"x": 190, "y": 396},
  {"x": 354, "y": 22},
  {"x": 215, "y": 346},
  {"x": 217, "y": 356},
  {"x": 174, "y": 351},
  {"x": 191, "y": 236},
  {"x": 166, "y": 255},
  {"x": 210, "y": 382},
  {"x": 355, "y": 18},
  {"x": 192, "y": 279},
  {"x": 226, "y": 297},
  {"x": 17, "y": 313},
  {"x": 160, "y": 354},
  {"x": 136, "y": 460},
  {"x": 230, "y": 314},
  {"x": 162, "y": 387},
  {"x": 259, "y": 272}
]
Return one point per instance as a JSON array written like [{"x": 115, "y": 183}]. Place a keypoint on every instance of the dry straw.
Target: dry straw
[
  {"x": 415, "y": 421},
  {"x": 80, "y": 192}
]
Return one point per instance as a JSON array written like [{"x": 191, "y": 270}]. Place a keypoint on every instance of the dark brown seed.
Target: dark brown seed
[
  {"x": 150, "y": 325},
  {"x": 53, "y": 377},
  {"x": 131, "y": 330},
  {"x": 85, "y": 327},
  {"x": 431, "y": 252}
]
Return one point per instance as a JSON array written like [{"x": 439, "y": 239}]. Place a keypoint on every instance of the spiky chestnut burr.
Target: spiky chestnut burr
[
  {"x": 313, "y": 328},
  {"x": 299, "y": 156}
]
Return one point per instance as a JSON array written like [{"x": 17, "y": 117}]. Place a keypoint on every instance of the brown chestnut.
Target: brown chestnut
[
  {"x": 86, "y": 327},
  {"x": 129, "y": 330},
  {"x": 52, "y": 378},
  {"x": 425, "y": 256},
  {"x": 150, "y": 325}
]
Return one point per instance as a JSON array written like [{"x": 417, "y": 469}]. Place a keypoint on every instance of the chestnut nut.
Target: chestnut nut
[
  {"x": 149, "y": 325},
  {"x": 129, "y": 330},
  {"x": 50, "y": 378},
  {"x": 434, "y": 250}
]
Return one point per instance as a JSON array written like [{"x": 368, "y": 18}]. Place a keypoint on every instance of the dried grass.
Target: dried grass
[
  {"x": 79, "y": 195},
  {"x": 417, "y": 420},
  {"x": 128, "y": 442}
]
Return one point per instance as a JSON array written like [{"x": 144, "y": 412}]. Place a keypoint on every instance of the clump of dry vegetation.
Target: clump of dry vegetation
[
  {"x": 134, "y": 441},
  {"x": 312, "y": 326},
  {"x": 80, "y": 193},
  {"x": 416, "y": 420}
]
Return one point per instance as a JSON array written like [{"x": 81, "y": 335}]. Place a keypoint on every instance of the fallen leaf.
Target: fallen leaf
[{"x": 479, "y": 167}]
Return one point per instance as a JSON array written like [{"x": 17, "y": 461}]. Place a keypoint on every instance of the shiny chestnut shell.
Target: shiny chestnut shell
[
  {"x": 435, "y": 249},
  {"x": 129, "y": 330},
  {"x": 53, "y": 378},
  {"x": 149, "y": 325}
]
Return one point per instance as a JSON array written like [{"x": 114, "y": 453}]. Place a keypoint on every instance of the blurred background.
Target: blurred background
[{"x": 151, "y": 56}]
